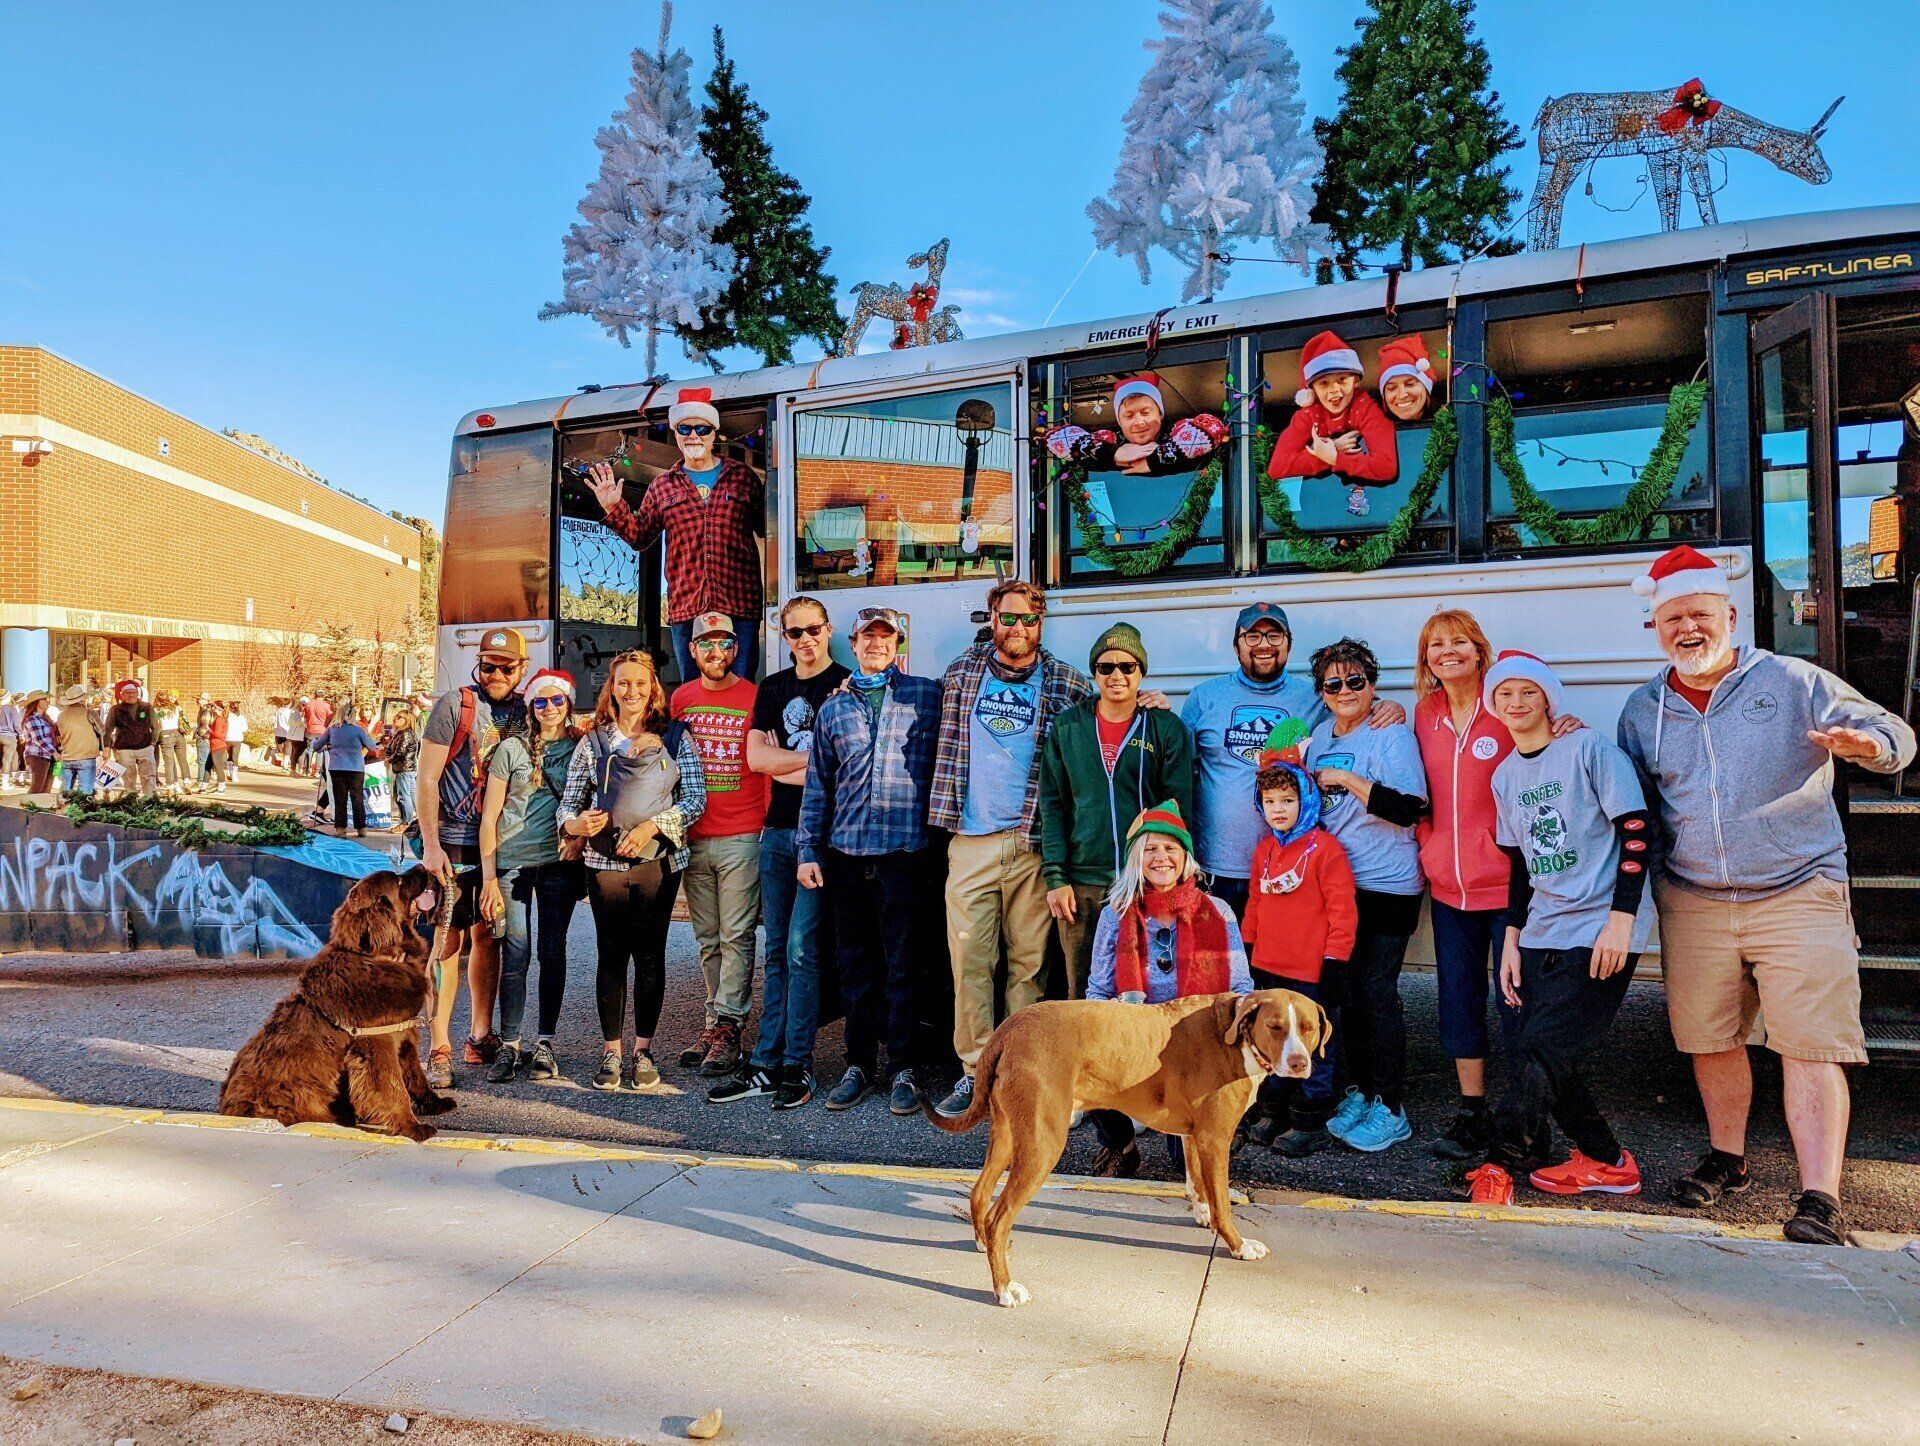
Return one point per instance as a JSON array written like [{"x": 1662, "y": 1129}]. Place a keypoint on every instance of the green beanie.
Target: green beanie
[{"x": 1119, "y": 638}]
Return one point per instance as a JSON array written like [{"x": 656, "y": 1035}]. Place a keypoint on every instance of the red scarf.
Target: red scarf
[{"x": 1200, "y": 958}]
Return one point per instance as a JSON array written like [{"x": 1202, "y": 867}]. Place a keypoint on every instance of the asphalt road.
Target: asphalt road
[{"x": 166, "y": 1041}]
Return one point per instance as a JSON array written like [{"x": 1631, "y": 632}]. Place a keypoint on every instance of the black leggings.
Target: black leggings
[
  {"x": 632, "y": 908},
  {"x": 1564, "y": 1015},
  {"x": 1374, "y": 1053},
  {"x": 349, "y": 792}
]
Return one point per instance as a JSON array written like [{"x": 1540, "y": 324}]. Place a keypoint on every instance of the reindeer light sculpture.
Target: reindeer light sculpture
[
  {"x": 1674, "y": 130},
  {"x": 912, "y": 310}
]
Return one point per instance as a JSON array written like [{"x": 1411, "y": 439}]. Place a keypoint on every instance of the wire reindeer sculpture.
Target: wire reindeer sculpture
[
  {"x": 1675, "y": 130},
  {"x": 911, "y": 309}
]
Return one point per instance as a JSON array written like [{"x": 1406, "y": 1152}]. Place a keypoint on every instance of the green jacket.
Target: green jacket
[{"x": 1084, "y": 813}]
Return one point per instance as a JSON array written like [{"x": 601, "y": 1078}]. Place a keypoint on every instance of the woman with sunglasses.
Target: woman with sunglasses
[{"x": 1372, "y": 790}]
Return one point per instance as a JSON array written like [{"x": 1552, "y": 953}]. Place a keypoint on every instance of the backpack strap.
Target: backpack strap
[{"x": 463, "y": 730}]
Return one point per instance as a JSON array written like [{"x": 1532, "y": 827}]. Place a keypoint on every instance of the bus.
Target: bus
[{"x": 914, "y": 479}]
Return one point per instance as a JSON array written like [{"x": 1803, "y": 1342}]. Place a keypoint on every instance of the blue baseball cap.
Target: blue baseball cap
[{"x": 1262, "y": 612}]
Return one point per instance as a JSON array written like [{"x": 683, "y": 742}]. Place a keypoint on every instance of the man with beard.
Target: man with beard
[{"x": 1736, "y": 746}]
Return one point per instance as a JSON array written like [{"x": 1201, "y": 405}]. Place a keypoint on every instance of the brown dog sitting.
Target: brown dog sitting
[
  {"x": 1187, "y": 1068},
  {"x": 342, "y": 1046}
]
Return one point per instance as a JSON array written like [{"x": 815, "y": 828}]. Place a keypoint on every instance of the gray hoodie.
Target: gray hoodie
[{"x": 1745, "y": 796}]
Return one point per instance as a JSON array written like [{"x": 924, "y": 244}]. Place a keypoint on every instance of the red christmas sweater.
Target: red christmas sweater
[
  {"x": 1300, "y": 906},
  {"x": 1379, "y": 462}
]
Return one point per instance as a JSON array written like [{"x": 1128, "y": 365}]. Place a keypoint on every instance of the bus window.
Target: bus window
[
  {"x": 495, "y": 564},
  {"x": 1589, "y": 393},
  {"x": 1330, "y": 506},
  {"x": 904, "y": 489}
]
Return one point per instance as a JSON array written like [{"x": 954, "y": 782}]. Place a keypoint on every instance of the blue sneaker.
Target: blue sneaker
[
  {"x": 1380, "y": 1128},
  {"x": 1353, "y": 1109}
]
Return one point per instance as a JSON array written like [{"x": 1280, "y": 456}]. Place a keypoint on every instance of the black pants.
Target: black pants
[
  {"x": 1232, "y": 893},
  {"x": 296, "y": 750},
  {"x": 349, "y": 791},
  {"x": 1373, "y": 1056},
  {"x": 1564, "y": 1013},
  {"x": 547, "y": 892},
  {"x": 632, "y": 908},
  {"x": 876, "y": 904}
]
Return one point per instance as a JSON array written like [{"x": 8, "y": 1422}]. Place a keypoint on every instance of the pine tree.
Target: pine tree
[
  {"x": 779, "y": 291},
  {"x": 643, "y": 256},
  {"x": 1413, "y": 153},
  {"x": 1214, "y": 147}
]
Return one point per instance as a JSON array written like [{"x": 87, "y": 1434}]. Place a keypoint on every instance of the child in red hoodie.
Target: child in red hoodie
[
  {"x": 1339, "y": 430},
  {"x": 1299, "y": 929}
]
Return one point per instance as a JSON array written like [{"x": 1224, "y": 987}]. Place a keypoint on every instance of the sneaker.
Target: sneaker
[
  {"x": 642, "y": 1072},
  {"x": 742, "y": 1084},
  {"x": 440, "y": 1068},
  {"x": 1717, "y": 1174},
  {"x": 1492, "y": 1185},
  {"x": 1816, "y": 1220},
  {"x": 607, "y": 1077},
  {"x": 1120, "y": 1164},
  {"x": 1265, "y": 1130},
  {"x": 480, "y": 1051},
  {"x": 1467, "y": 1137},
  {"x": 795, "y": 1088},
  {"x": 541, "y": 1064},
  {"x": 723, "y": 1053},
  {"x": 854, "y": 1086},
  {"x": 505, "y": 1063},
  {"x": 691, "y": 1056},
  {"x": 1380, "y": 1129},
  {"x": 958, "y": 1101},
  {"x": 1579, "y": 1176},
  {"x": 1297, "y": 1144},
  {"x": 904, "y": 1097},
  {"x": 1351, "y": 1110}
]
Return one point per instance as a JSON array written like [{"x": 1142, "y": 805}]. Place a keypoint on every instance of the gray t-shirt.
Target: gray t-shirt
[
  {"x": 1385, "y": 856},
  {"x": 1558, "y": 808},
  {"x": 459, "y": 797}
]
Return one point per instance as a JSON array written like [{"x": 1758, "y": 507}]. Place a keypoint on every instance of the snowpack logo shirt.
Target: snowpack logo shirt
[
  {"x": 1385, "y": 856},
  {"x": 1005, "y": 729},
  {"x": 1230, "y": 718}
]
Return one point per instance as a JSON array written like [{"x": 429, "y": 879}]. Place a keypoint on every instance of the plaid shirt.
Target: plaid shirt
[
  {"x": 689, "y": 804},
  {"x": 40, "y": 740},
  {"x": 1061, "y": 686},
  {"x": 712, "y": 565},
  {"x": 867, "y": 785}
]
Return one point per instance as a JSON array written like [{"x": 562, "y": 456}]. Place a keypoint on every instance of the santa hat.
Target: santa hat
[
  {"x": 127, "y": 688},
  {"x": 550, "y": 680},
  {"x": 1140, "y": 384},
  {"x": 1511, "y": 664},
  {"x": 1323, "y": 354},
  {"x": 694, "y": 404},
  {"x": 1406, "y": 356},
  {"x": 1681, "y": 572}
]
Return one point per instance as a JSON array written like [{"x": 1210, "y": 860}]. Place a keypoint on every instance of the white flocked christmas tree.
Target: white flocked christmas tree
[
  {"x": 642, "y": 257},
  {"x": 1215, "y": 150}
]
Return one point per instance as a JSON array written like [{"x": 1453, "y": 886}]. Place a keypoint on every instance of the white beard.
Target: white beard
[{"x": 1705, "y": 660}]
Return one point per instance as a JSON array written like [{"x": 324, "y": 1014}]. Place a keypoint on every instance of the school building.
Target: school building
[{"x": 137, "y": 543}]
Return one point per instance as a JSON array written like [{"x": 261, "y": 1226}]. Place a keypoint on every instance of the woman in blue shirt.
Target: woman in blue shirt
[{"x": 347, "y": 745}]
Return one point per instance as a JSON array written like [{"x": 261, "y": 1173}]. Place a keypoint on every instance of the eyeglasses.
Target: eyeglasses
[
  {"x": 809, "y": 630},
  {"x": 1126, "y": 668},
  {"x": 713, "y": 645},
  {"x": 503, "y": 669},
  {"x": 1019, "y": 620},
  {"x": 1263, "y": 638},
  {"x": 693, "y": 429},
  {"x": 548, "y": 700},
  {"x": 1352, "y": 683}
]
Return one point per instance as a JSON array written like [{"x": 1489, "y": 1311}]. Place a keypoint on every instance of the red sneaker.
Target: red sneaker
[
  {"x": 1491, "y": 1185},
  {"x": 1580, "y": 1175},
  {"x": 481, "y": 1051}
]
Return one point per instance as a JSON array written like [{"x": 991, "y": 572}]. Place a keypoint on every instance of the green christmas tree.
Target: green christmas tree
[
  {"x": 1413, "y": 154},
  {"x": 780, "y": 291}
]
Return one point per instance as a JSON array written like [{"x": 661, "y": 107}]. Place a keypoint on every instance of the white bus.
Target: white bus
[{"x": 914, "y": 478}]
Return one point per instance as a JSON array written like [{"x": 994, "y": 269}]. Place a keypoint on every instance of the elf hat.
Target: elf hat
[
  {"x": 550, "y": 680},
  {"x": 1140, "y": 384},
  {"x": 1406, "y": 356},
  {"x": 1322, "y": 356},
  {"x": 1162, "y": 819},
  {"x": 1681, "y": 572},
  {"x": 1511, "y": 664},
  {"x": 694, "y": 404}
]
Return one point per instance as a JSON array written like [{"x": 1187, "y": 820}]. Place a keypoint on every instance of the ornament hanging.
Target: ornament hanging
[{"x": 912, "y": 310}]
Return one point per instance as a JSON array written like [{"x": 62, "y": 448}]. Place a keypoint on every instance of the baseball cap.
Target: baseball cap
[
  {"x": 712, "y": 623},
  {"x": 505, "y": 643},
  {"x": 1262, "y": 612},
  {"x": 867, "y": 617}
]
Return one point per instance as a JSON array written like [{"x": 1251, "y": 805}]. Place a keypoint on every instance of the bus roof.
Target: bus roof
[{"x": 1524, "y": 271}]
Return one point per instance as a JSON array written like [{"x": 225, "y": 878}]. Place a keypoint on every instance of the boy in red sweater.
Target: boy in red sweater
[
  {"x": 1298, "y": 931},
  {"x": 1339, "y": 430}
]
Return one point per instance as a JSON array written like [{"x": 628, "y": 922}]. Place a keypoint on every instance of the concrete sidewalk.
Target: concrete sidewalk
[{"x": 622, "y": 1293}]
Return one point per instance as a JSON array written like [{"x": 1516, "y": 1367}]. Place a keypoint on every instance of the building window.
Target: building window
[
  {"x": 1589, "y": 392},
  {"x": 904, "y": 489}
]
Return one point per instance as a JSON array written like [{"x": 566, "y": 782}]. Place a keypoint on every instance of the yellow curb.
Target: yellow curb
[
  {"x": 743, "y": 1162},
  {"x": 932, "y": 1174},
  {"x": 75, "y": 1107},
  {"x": 343, "y": 1132},
  {"x": 580, "y": 1150},
  {"x": 194, "y": 1120}
]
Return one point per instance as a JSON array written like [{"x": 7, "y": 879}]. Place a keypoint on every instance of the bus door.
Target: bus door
[
  {"x": 1793, "y": 378},
  {"x": 910, "y": 495}
]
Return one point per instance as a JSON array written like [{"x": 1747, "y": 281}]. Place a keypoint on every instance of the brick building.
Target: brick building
[{"x": 136, "y": 543}]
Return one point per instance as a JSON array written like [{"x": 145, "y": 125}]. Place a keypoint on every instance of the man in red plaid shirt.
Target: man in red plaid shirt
[{"x": 710, "y": 510}]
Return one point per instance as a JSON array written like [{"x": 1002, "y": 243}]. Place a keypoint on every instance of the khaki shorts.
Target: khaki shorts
[{"x": 1791, "y": 957}]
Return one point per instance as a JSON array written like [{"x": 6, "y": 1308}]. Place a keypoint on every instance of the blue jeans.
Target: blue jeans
[
  {"x": 78, "y": 777},
  {"x": 790, "y": 991},
  {"x": 552, "y": 890},
  {"x": 403, "y": 799},
  {"x": 746, "y": 633},
  {"x": 1462, "y": 940}
]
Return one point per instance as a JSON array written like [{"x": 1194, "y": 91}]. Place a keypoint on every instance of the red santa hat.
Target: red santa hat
[
  {"x": 550, "y": 680},
  {"x": 1406, "y": 356},
  {"x": 1681, "y": 572},
  {"x": 694, "y": 404},
  {"x": 1322, "y": 355},
  {"x": 127, "y": 688},
  {"x": 1511, "y": 664},
  {"x": 1140, "y": 384}
]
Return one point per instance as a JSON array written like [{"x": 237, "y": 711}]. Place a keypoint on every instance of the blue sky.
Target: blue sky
[{"x": 333, "y": 224}]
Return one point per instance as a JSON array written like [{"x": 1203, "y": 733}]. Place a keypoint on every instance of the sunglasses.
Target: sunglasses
[
  {"x": 503, "y": 669},
  {"x": 1352, "y": 683},
  {"x": 1019, "y": 620},
  {"x": 809, "y": 630},
  {"x": 1125, "y": 669},
  {"x": 713, "y": 645},
  {"x": 694, "y": 429},
  {"x": 548, "y": 700}
]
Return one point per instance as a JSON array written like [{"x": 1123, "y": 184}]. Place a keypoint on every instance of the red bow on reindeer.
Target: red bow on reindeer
[
  {"x": 920, "y": 300},
  {"x": 1691, "y": 106}
]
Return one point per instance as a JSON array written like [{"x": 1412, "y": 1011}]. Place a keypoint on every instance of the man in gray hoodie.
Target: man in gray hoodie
[{"x": 1736, "y": 747}]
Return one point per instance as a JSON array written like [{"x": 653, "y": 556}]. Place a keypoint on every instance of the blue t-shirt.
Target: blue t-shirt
[
  {"x": 1230, "y": 718},
  {"x": 704, "y": 479},
  {"x": 1385, "y": 856},
  {"x": 1003, "y": 733}
]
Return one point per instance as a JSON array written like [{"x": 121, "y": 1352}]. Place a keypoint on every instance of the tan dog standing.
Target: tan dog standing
[{"x": 1186, "y": 1068}]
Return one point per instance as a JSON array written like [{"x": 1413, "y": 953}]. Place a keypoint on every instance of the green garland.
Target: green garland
[
  {"x": 1629, "y": 521},
  {"x": 1443, "y": 440},
  {"x": 1182, "y": 528},
  {"x": 179, "y": 821}
]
